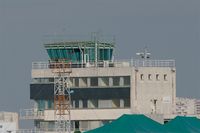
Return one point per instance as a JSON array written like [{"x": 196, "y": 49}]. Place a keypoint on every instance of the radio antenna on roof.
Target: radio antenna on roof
[{"x": 145, "y": 54}]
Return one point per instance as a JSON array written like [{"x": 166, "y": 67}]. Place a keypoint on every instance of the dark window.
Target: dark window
[
  {"x": 116, "y": 81},
  {"x": 76, "y": 103},
  {"x": 126, "y": 103},
  {"x": 165, "y": 77},
  {"x": 76, "y": 82},
  {"x": 157, "y": 77},
  {"x": 94, "y": 81},
  {"x": 142, "y": 76},
  {"x": 126, "y": 80},
  {"x": 51, "y": 79},
  {"x": 76, "y": 124},
  {"x": 85, "y": 104},
  {"x": 149, "y": 77}
]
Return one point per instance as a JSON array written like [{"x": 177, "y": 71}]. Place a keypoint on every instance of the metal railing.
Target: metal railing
[
  {"x": 45, "y": 130},
  {"x": 29, "y": 131},
  {"x": 31, "y": 114},
  {"x": 154, "y": 63},
  {"x": 116, "y": 63}
]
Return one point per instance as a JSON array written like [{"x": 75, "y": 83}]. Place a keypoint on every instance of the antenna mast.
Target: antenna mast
[
  {"x": 145, "y": 54},
  {"x": 62, "y": 95}
]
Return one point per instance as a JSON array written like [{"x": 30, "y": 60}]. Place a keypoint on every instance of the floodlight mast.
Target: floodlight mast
[{"x": 62, "y": 95}]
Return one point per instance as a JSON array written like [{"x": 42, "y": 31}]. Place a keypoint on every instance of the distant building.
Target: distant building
[
  {"x": 187, "y": 106},
  {"x": 197, "y": 107},
  {"x": 103, "y": 88},
  {"x": 8, "y": 122}
]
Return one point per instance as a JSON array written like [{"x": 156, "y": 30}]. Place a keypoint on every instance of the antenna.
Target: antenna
[
  {"x": 62, "y": 95},
  {"x": 145, "y": 54}
]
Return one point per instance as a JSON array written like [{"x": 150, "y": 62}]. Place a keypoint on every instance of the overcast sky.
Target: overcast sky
[{"x": 170, "y": 29}]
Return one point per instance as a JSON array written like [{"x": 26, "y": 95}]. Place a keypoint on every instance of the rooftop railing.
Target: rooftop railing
[
  {"x": 31, "y": 114},
  {"x": 116, "y": 63},
  {"x": 29, "y": 131}
]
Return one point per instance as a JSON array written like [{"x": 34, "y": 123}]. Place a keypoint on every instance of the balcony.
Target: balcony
[{"x": 28, "y": 114}]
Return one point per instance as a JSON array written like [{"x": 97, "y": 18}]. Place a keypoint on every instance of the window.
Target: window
[
  {"x": 92, "y": 103},
  {"x": 142, "y": 76},
  {"x": 104, "y": 103},
  {"x": 84, "y": 125},
  {"x": 76, "y": 103},
  {"x": 121, "y": 103},
  {"x": 41, "y": 105},
  {"x": 76, "y": 82},
  {"x": 94, "y": 81},
  {"x": 126, "y": 103},
  {"x": 116, "y": 103},
  {"x": 76, "y": 124},
  {"x": 73, "y": 103},
  {"x": 165, "y": 77},
  {"x": 49, "y": 104},
  {"x": 126, "y": 80},
  {"x": 116, "y": 81},
  {"x": 104, "y": 81},
  {"x": 157, "y": 77},
  {"x": 85, "y": 105},
  {"x": 51, "y": 80},
  {"x": 80, "y": 103},
  {"x": 104, "y": 122},
  {"x": 149, "y": 77}
]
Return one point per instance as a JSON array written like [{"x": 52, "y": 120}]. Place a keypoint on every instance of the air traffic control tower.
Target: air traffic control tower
[
  {"x": 103, "y": 88},
  {"x": 81, "y": 52}
]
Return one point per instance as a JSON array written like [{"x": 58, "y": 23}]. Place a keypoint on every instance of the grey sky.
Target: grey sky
[{"x": 170, "y": 29}]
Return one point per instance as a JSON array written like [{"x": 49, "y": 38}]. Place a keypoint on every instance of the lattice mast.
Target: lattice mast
[{"x": 62, "y": 97}]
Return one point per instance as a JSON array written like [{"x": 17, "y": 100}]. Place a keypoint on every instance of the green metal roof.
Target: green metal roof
[
  {"x": 183, "y": 124},
  {"x": 143, "y": 124},
  {"x": 131, "y": 124},
  {"x": 77, "y": 44}
]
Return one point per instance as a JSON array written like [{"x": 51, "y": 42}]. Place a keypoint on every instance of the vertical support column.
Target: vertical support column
[
  {"x": 133, "y": 90},
  {"x": 110, "y": 81},
  {"x": 121, "y": 81},
  {"x": 88, "y": 82},
  {"x": 173, "y": 89}
]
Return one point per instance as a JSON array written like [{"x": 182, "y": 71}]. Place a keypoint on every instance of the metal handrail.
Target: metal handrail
[
  {"x": 116, "y": 63},
  {"x": 31, "y": 114},
  {"x": 29, "y": 131}
]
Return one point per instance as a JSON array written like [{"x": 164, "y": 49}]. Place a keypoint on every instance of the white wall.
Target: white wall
[
  {"x": 5, "y": 127},
  {"x": 90, "y": 114},
  {"x": 146, "y": 90}
]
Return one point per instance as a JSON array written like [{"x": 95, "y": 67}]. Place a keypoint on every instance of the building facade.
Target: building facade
[
  {"x": 187, "y": 106},
  {"x": 103, "y": 88},
  {"x": 8, "y": 122}
]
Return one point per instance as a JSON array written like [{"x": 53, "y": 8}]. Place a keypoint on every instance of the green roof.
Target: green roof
[
  {"x": 80, "y": 51},
  {"x": 131, "y": 124},
  {"x": 143, "y": 124},
  {"x": 77, "y": 44},
  {"x": 183, "y": 124}
]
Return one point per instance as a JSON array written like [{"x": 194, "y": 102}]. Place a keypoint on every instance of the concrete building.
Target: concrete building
[
  {"x": 187, "y": 106},
  {"x": 197, "y": 107},
  {"x": 103, "y": 88},
  {"x": 8, "y": 122}
]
